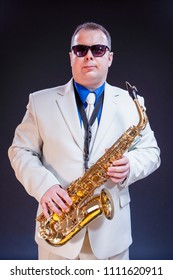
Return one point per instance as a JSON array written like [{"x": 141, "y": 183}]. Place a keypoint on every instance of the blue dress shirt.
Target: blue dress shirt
[{"x": 83, "y": 93}]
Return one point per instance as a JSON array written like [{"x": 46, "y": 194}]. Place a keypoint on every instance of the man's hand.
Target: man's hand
[
  {"x": 56, "y": 199},
  {"x": 119, "y": 170}
]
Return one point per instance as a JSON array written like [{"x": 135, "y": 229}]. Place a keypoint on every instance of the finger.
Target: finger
[
  {"x": 45, "y": 210},
  {"x": 58, "y": 204},
  {"x": 118, "y": 172},
  {"x": 64, "y": 195},
  {"x": 54, "y": 208},
  {"x": 122, "y": 161},
  {"x": 117, "y": 169}
]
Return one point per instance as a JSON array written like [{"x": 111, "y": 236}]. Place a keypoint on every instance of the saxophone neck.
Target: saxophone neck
[{"x": 142, "y": 114}]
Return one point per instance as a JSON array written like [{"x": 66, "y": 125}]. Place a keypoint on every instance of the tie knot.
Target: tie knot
[{"x": 91, "y": 98}]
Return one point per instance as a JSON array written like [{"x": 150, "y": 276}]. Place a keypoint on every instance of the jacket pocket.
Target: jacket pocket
[{"x": 124, "y": 197}]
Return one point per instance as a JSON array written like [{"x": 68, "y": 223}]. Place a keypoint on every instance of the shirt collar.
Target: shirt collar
[{"x": 83, "y": 91}]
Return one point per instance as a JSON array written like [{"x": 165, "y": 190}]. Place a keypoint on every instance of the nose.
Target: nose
[{"x": 89, "y": 55}]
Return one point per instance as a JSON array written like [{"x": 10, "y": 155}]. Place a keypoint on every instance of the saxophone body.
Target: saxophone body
[{"x": 86, "y": 206}]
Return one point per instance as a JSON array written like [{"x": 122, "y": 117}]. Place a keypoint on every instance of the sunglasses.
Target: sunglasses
[{"x": 97, "y": 50}]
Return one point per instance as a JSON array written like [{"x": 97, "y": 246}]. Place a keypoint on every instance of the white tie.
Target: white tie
[
  {"x": 90, "y": 104},
  {"x": 89, "y": 110}
]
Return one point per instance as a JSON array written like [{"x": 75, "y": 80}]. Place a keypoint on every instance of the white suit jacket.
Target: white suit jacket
[{"x": 47, "y": 149}]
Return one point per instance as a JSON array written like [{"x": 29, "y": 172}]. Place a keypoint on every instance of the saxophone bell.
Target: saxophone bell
[
  {"x": 57, "y": 233},
  {"x": 107, "y": 204}
]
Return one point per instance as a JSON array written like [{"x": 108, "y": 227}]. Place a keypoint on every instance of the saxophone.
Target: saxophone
[{"x": 58, "y": 229}]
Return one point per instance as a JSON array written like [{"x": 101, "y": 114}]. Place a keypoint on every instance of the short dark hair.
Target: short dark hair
[{"x": 92, "y": 26}]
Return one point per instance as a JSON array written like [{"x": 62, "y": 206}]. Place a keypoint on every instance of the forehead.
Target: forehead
[{"x": 90, "y": 37}]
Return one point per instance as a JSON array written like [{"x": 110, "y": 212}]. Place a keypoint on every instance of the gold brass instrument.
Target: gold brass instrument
[{"x": 86, "y": 206}]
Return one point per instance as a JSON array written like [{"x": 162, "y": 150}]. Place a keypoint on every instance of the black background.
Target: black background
[{"x": 35, "y": 41}]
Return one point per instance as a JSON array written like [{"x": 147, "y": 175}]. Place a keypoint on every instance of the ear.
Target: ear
[
  {"x": 110, "y": 58},
  {"x": 70, "y": 55}
]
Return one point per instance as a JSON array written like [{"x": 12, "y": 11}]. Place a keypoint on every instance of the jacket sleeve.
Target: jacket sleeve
[{"x": 25, "y": 155}]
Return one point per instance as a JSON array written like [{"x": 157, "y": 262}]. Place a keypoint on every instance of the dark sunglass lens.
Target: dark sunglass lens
[
  {"x": 98, "y": 50},
  {"x": 80, "y": 50}
]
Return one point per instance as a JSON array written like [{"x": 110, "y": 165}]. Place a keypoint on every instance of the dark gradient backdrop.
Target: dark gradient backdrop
[{"x": 35, "y": 40}]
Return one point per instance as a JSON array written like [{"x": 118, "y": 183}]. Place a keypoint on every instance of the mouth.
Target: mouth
[{"x": 89, "y": 67}]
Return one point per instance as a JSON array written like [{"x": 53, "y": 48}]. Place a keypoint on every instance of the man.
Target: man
[{"x": 49, "y": 152}]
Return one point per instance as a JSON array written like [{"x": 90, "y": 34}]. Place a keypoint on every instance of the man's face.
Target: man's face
[{"x": 90, "y": 71}]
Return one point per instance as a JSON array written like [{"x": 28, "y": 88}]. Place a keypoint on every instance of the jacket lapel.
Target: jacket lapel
[
  {"x": 108, "y": 114},
  {"x": 67, "y": 105}
]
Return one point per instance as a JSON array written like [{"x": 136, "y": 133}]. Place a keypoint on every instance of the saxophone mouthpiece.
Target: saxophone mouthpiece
[{"x": 132, "y": 90}]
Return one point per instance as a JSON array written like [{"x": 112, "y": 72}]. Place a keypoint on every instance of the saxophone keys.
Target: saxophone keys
[
  {"x": 80, "y": 193},
  {"x": 55, "y": 217},
  {"x": 74, "y": 199}
]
